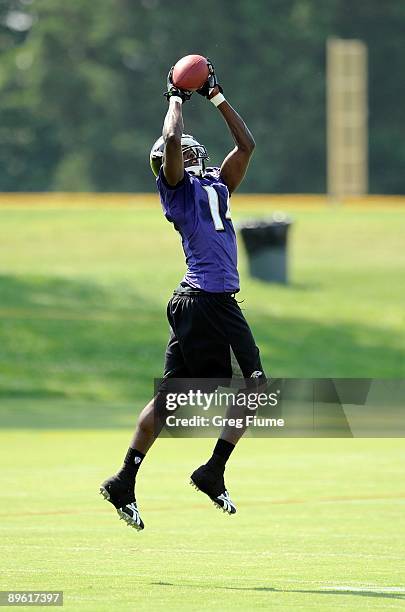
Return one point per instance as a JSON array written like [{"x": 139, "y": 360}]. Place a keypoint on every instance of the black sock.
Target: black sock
[
  {"x": 132, "y": 463},
  {"x": 221, "y": 454}
]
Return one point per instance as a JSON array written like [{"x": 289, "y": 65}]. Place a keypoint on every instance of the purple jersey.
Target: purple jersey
[{"x": 199, "y": 209}]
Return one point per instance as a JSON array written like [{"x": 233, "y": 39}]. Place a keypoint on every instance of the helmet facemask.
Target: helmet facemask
[{"x": 194, "y": 155}]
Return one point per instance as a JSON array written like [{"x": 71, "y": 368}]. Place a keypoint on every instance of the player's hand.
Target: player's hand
[
  {"x": 172, "y": 90},
  {"x": 211, "y": 86}
]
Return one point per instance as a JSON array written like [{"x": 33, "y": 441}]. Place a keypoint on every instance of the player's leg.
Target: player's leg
[
  {"x": 247, "y": 354},
  {"x": 206, "y": 351},
  {"x": 225, "y": 314},
  {"x": 119, "y": 489}
]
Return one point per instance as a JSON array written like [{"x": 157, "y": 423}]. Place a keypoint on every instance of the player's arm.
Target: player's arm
[
  {"x": 235, "y": 164},
  {"x": 173, "y": 164}
]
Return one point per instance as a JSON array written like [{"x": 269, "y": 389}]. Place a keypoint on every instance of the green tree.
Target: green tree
[{"x": 81, "y": 88}]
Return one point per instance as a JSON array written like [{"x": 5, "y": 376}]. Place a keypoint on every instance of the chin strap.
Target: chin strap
[{"x": 196, "y": 170}]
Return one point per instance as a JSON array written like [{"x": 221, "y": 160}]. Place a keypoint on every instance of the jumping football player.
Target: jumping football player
[{"x": 205, "y": 320}]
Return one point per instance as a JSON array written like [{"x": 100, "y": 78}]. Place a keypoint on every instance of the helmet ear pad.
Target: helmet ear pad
[{"x": 156, "y": 155}]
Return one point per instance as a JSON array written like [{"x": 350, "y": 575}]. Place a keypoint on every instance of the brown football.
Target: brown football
[{"x": 190, "y": 72}]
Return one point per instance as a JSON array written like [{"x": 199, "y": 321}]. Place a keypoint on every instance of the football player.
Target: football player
[{"x": 206, "y": 323}]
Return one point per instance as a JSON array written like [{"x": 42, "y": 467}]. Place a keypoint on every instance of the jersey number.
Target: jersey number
[{"x": 213, "y": 202}]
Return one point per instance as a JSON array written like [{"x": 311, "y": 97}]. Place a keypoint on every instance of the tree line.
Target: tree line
[{"x": 81, "y": 87}]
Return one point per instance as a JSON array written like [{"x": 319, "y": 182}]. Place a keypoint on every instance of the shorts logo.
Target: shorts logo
[{"x": 256, "y": 374}]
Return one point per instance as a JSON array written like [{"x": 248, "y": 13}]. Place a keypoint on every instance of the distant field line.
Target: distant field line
[
  {"x": 66, "y": 200},
  {"x": 315, "y": 500}
]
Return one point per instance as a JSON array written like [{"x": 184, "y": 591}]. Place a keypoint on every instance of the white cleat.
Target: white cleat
[
  {"x": 222, "y": 502},
  {"x": 128, "y": 512}
]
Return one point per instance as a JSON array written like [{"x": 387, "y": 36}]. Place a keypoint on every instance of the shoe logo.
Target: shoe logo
[
  {"x": 134, "y": 512},
  {"x": 137, "y": 460},
  {"x": 227, "y": 503},
  {"x": 256, "y": 374}
]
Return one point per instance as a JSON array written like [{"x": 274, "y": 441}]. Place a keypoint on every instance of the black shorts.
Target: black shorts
[{"x": 204, "y": 327}]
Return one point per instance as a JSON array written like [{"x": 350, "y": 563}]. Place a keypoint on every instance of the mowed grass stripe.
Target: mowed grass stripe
[{"x": 81, "y": 288}]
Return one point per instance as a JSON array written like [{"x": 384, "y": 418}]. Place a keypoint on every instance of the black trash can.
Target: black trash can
[{"x": 266, "y": 245}]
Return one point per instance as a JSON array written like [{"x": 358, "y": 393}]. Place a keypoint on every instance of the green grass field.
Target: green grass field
[{"x": 320, "y": 523}]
